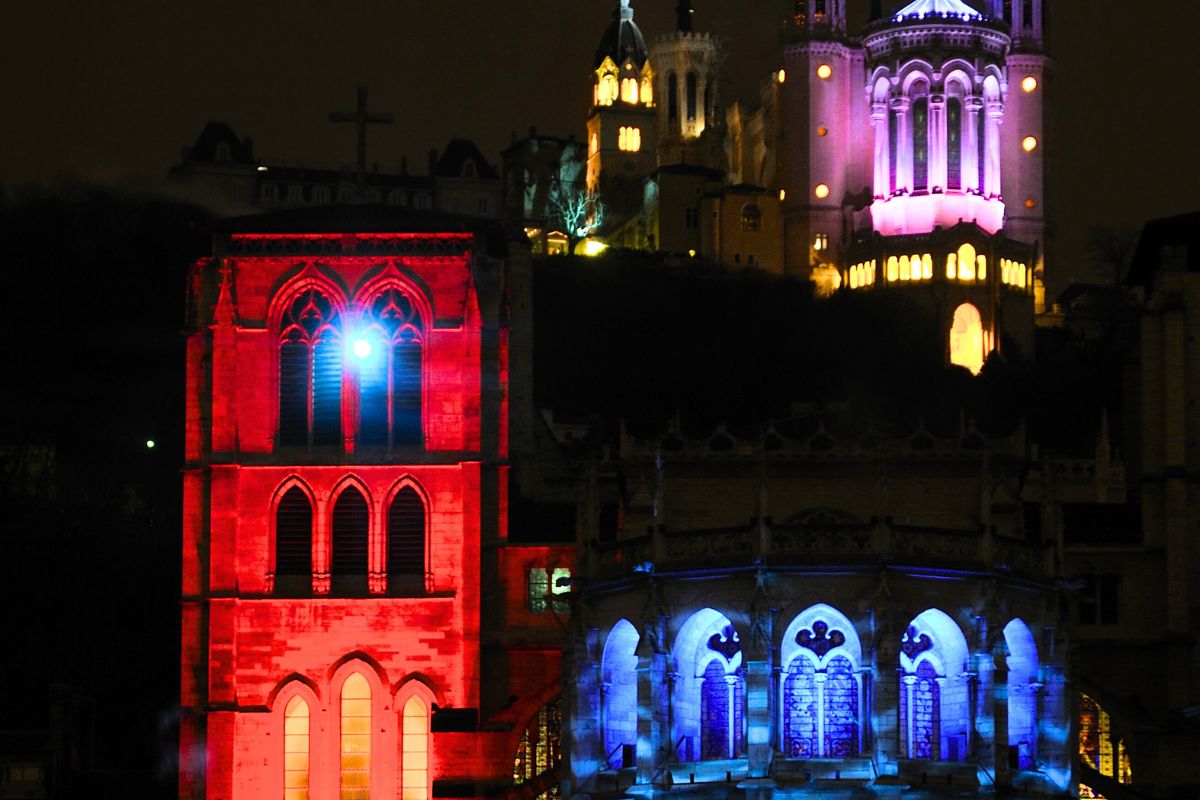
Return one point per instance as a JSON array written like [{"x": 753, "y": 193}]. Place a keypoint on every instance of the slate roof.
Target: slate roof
[{"x": 623, "y": 41}]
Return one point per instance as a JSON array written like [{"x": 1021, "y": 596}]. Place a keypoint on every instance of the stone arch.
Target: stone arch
[
  {"x": 1022, "y": 692},
  {"x": 285, "y": 487},
  {"x": 935, "y": 715},
  {"x": 709, "y": 697},
  {"x": 821, "y": 710},
  {"x": 618, "y": 671}
]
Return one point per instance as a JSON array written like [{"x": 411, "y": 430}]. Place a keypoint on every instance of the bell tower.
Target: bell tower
[
  {"x": 621, "y": 126},
  {"x": 690, "y": 118}
]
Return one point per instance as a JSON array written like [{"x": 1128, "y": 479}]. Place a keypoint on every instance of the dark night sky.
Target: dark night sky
[{"x": 112, "y": 91}]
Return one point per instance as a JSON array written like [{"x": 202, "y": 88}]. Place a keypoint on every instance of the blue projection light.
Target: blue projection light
[{"x": 362, "y": 349}]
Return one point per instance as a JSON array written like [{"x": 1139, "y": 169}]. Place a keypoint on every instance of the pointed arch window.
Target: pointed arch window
[
  {"x": 351, "y": 538},
  {"x": 821, "y": 694},
  {"x": 355, "y": 768},
  {"x": 414, "y": 750},
  {"x": 390, "y": 374},
  {"x": 293, "y": 543},
  {"x": 406, "y": 558},
  {"x": 310, "y": 372},
  {"x": 692, "y": 89},
  {"x": 672, "y": 97},
  {"x": 296, "y": 749}
]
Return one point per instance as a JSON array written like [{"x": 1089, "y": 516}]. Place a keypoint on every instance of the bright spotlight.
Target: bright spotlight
[
  {"x": 362, "y": 348},
  {"x": 149, "y": 444}
]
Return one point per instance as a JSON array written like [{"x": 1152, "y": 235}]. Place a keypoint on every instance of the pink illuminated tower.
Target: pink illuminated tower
[{"x": 913, "y": 160}]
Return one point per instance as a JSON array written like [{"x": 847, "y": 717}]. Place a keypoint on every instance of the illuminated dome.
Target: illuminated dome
[
  {"x": 937, "y": 8},
  {"x": 623, "y": 41}
]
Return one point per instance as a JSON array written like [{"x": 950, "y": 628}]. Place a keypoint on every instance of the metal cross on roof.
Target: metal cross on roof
[{"x": 362, "y": 119}]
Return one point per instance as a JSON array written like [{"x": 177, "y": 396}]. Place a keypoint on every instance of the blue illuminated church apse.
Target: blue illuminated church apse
[{"x": 1022, "y": 692}]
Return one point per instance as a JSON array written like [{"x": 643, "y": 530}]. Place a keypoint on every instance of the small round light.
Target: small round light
[
  {"x": 149, "y": 444},
  {"x": 1029, "y": 144},
  {"x": 822, "y": 191},
  {"x": 1030, "y": 84},
  {"x": 782, "y": 195},
  {"x": 362, "y": 348},
  {"x": 824, "y": 72},
  {"x": 822, "y": 131},
  {"x": 1030, "y": 202},
  {"x": 692, "y": 253},
  {"x": 781, "y": 76}
]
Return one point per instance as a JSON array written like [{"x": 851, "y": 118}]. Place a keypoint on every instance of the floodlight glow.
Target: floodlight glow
[
  {"x": 149, "y": 444},
  {"x": 362, "y": 348},
  {"x": 1029, "y": 144},
  {"x": 1030, "y": 84},
  {"x": 591, "y": 247}
]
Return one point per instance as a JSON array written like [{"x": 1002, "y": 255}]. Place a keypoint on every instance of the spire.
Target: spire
[{"x": 684, "y": 12}]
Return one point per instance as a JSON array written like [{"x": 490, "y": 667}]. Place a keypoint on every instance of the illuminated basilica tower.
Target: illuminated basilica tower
[
  {"x": 915, "y": 159},
  {"x": 690, "y": 129},
  {"x": 621, "y": 126}
]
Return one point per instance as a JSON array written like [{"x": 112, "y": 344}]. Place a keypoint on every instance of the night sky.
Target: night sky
[{"x": 111, "y": 91}]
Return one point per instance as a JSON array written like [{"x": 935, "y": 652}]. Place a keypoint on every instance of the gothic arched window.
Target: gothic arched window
[
  {"x": 406, "y": 541},
  {"x": 414, "y": 750},
  {"x": 351, "y": 539},
  {"x": 310, "y": 372},
  {"x": 691, "y": 96},
  {"x": 820, "y": 688},
  {"x": 672, "y": 97},
  {"x": 354, "y": 775},
  {"x": 390, "y": 381},
  {"x": 722, "y": 701},
  {"x": 935, "y": 708},
  {"x": 293, "y": 542},
  {"x": 296, "y": 719}
]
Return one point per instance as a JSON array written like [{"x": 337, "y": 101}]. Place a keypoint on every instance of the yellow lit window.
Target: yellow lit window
[
  {"x": 966, "y": 262},
  {"x": 295, "y": 750},
  {"x": 356, "y": 739},
  {"x": 966, "y": 338},
  {"x": 594, "y": 144},
  {"x": 905, "y": 269},
  {"x": 981, "y": 270},
  {"x": 927, "y": 266},
  {"x": 607, "y": 90},
  {"x": 629, "y": 91},
  {"x": 629, "y": 139},
  {"x": 952, "y": 266},
  {"x": 854, "y": 277},
  {"x": 647, "y": 92},
  {"x": 893, "y": 269},
  {"x": 414, "y": 775}
]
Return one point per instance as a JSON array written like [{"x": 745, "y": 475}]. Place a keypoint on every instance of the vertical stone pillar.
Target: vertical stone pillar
[
  {"x": 938, "y": 164},
  {"x": 999, "y": 712},
  {"x": 758, "y": 718},
  {"x": 908, "y": 686},
  {"x": 584, "y": 740},
  {"x": 970, "y": 144},
  {"x": 995, "y": 115},
  {"x": 654, "y": 734},
  {"x": 884, "y": 713},
  {"x": 883, "y": 152}
]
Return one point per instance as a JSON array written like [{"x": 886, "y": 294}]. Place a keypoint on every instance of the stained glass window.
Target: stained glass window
[
  {"x": 390, "y": 379},
  {"x": 539, "y": 751},
  {"x": 920, "y": 713},
  {"x": 920, "y": 144},
  {"x": 800, "y": 710},
  {"x": 414, "y": 772},
  {"x": 310, "y": 372},
  {"x": 722, "y": 704},
  {"x": 954, "y": 143},
  {"x": 841, "y": 709}
]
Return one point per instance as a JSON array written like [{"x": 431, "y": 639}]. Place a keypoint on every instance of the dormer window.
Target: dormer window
[{"x": 469, "y": 170}]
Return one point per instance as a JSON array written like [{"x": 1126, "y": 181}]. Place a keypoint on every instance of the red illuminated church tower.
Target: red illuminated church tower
[{"x": 346, "y": 481}]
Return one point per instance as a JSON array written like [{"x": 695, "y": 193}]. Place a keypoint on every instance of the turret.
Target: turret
[{"x": 689, "y": 112}]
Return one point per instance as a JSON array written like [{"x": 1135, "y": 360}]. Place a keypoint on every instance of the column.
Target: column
[
  {"x": 904, "y": 165},
  {"x": 995, "y": 115},
  {"x": 759, "y": 750},
  {"x": 820, "y": 679},
  {"x": 321, "y": 545},
  {"x": 970, "y": 144},
  {"x": 883, "y": 168},
  {"x": 653, "y": 742},
  {"x": 910, "y": 681},
  {"x": 938, "y": 167}
]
